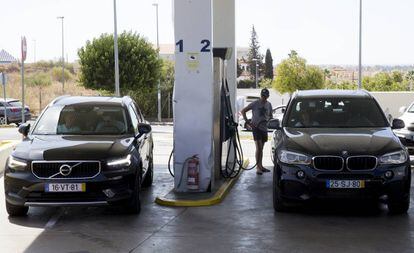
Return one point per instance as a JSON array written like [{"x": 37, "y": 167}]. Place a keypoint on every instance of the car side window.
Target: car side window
[
  {"x": 138, "y": 112},
  {"x": 134, "y": 118}
]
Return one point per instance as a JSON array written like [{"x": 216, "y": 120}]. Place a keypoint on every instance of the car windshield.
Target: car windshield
[
  {"x": 83, "y": 120},
  {"x": 411, "y": 109},
  {"x": 335, "y": 113}
]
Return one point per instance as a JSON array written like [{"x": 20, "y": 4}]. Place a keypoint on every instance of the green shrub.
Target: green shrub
[
  {"x": 246, "y": 84},
  {"x": 57, "y": 74}
]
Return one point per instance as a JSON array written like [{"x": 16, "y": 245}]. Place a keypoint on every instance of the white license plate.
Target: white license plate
[
  {"x": 345, "y": 184},
  {"x": 65, "y": 187}
]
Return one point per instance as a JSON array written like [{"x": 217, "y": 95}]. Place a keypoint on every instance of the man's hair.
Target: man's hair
[{"x": 265, "y": 93}]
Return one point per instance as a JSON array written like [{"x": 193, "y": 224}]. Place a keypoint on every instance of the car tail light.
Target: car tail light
[{"x": 14, "y": 110}]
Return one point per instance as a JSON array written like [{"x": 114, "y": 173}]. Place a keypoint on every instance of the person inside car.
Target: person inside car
[
  {"x": 110, "y": 124},
  {"x": 69, "y": 124},
  {"x": 306, "y": 117},
  {"x": 356, "y": 117}
]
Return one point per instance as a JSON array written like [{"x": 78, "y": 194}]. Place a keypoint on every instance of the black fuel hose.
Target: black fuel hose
[
  {"x": 230, "y": 169},
  {"x": 169, "y": 163}
]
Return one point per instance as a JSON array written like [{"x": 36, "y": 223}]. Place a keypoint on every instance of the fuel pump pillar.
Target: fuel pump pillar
[{"x": 200, "y": 26}]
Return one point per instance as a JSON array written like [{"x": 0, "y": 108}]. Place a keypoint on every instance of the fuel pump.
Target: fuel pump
[{"x": 230, "y": 147}]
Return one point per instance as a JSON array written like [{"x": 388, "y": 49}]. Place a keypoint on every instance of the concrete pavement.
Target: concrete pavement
[
  {"x": 243, "y": 222},
  {"x": 9, "y": 133}
]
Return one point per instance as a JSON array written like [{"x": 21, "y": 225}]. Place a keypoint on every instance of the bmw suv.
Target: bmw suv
[
  {"x": 338, "y": 144},
  {"x": 81, "y": 151}
]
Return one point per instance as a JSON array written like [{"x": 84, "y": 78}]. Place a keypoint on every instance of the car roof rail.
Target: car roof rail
[
  {"x": 367, "y": 92},
  {"x": 54, "y": 101},
  {"x": 126, "y": 99}
]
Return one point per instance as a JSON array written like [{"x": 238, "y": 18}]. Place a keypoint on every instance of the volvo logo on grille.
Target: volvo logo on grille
[{"x": 65, "y": 170}]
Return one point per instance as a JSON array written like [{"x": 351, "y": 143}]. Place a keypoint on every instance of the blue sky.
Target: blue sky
[{"x": 322, "y": 31}]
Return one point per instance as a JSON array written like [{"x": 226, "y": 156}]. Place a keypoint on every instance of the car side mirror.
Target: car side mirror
[
  {"x": 24, "y": 129},
  {"x": 398, "y": 124},
  {"x": 143, "y": 128},
  {"x": 274, "y": 124},
  {"x": 402, "y": 109}
]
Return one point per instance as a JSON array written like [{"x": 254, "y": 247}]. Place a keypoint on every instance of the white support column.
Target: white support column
[
  {"x": 193, "y": 90},
  {"x": 224, "y": 23}
]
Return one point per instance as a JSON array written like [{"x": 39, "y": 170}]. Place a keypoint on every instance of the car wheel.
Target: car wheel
[
  {"x": 399, "y": 205},
  {"x": 149, "y": 177},
  {"x": 134, "y": 204},
  {"x": 279, "y": 203},
  {"x": 15, "y": 211}
]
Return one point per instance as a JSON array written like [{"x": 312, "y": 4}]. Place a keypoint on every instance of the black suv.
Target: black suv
[
  {"x": 338, "y": 144},
  {"x": 81, "y": 151}
]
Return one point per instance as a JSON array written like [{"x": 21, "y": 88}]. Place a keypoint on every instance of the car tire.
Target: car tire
[
  {"x": 133, "y": 206},
  {"x": 399, "y": 206},
  {"x": 279, "y": 203},
  {"x": 16, "y": 211},
  {"x": 149, "y": 176}
]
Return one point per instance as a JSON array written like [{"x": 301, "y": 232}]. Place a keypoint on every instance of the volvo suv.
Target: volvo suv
[
  {"x": 338, "y": 144},
  {"x": 81, "y": 151}
]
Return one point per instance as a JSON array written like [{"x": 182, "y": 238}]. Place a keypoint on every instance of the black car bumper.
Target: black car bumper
[
  {"x": 24, "y": 189},
  {"x": 314, "y": 183}
]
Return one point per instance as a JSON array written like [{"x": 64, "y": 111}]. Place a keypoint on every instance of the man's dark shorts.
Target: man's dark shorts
[{"x": 259, "y": 135}]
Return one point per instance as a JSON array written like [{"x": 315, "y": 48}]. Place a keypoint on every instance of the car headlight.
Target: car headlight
[
  {"x": 125, "y": 161},
  {"x": 394, "y": 158},
  {"x": 293, "y": 157},
  {"x": 16, "y": 164}
]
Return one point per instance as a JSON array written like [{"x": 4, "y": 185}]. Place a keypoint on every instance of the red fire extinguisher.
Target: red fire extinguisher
[{"x": 193, "y": 171}]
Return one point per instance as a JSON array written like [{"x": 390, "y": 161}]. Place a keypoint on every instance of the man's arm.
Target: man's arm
[
  {"x": 243, "y": 112},
  {"x": 246, "y": 109}
]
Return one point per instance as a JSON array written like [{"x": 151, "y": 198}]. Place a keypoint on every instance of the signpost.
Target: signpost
[
  {"x": 3, "y": 81},
  {"x": 24, "y": 52}
]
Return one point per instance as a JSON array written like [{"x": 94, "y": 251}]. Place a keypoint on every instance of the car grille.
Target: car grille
[
  {"x": 361, "y": 162},
  {"x": 333, "y": 163},
  {"x": 66, "y": 169}
]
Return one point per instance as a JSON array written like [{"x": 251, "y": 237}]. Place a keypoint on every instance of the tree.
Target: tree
[
  {"x": 397, "y": 76},
  {"x": 343, "y": 85},
  {"x": 293, "y": 74},
  {"x": 384, "y": 81},
  {"x": 139, "y": 67},
  {"x": 39, "y": 80},
  {"x": 167, "y": 86},
  {"x": 327, "y": 73},
  {"x": 268, "y": 65},
  {"x": 266, "y": 83},
  {"x": 239, "y": 68},
  {"x": 410, "y": 78},
  {"x": 254, "y": 54}
]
